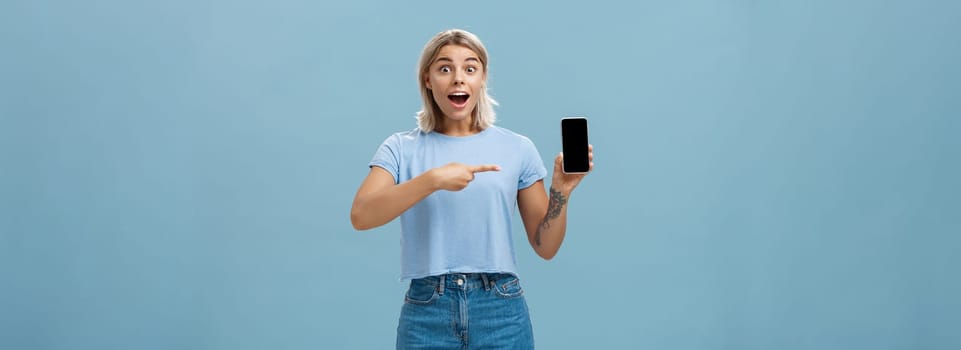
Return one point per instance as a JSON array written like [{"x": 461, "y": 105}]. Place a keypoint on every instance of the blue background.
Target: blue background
[{"x": 769, "y": 174}]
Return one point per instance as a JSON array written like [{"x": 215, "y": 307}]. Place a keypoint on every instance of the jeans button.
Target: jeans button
[{"x": 460, "y": 282}]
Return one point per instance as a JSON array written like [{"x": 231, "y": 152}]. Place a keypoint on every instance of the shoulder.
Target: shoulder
[
  {"x": 405, "y": 137},
  {"x": 505, "y": 133}
]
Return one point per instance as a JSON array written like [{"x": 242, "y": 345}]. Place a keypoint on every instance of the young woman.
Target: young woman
[{"x": 454, "y": 182}]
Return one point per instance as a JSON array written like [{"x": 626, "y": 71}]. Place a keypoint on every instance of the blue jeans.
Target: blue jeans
[{"x": 465, "y": 311}]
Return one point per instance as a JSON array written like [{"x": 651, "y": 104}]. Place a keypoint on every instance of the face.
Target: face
[{"x": 456, "y": 79}]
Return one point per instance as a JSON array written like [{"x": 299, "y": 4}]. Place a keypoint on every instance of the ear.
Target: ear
[{"x": 427, "y": 81}]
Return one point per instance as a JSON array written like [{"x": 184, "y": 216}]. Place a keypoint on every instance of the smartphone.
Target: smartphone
[{"x": 574, "y": 144}]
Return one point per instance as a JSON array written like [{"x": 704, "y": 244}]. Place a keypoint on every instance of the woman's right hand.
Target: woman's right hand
[{"x": 456, "y": 176}]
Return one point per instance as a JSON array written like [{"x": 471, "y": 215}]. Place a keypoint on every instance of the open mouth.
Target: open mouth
[{"x": 459, "y": 99}]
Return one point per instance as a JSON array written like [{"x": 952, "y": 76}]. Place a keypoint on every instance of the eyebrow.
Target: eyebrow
[{"x": 444, "y": 58}]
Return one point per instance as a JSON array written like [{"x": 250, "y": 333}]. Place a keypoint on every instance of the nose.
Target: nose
[{"x": 458, "y": 77}]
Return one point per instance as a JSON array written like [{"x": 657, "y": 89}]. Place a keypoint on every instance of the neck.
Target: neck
[{"x": 457, "y": 128}]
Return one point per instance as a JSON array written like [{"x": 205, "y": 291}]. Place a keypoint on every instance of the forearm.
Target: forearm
[
  {"x": 550, "y": 232},
  {"x": 378, "y": 208}
]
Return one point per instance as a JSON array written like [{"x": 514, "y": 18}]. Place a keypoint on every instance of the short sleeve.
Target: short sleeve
[
  {"x": 533, "y": 169},
  {"x": 388, "y": 157}
]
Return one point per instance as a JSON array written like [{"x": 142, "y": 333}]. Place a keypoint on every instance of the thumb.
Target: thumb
[{"x": 485, "y": 167}]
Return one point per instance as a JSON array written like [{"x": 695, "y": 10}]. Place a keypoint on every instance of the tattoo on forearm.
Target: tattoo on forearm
[{"x": 556, "y": 203}]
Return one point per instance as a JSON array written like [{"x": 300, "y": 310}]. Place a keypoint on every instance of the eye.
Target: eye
[
  {"x": 445, "y": 69},
  {"x": 471, "y": 69}
]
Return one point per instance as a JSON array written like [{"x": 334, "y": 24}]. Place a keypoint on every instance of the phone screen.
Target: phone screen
[{"x": 574, "y": 144}]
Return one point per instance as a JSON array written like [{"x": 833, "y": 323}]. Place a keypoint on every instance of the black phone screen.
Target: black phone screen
[{"x": 574, "y": 144}]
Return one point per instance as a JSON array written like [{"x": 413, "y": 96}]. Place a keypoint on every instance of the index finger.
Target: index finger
[{"x": 485, "y": 167}]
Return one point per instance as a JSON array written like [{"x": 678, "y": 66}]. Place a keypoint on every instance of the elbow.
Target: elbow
[
  {"x": 547, "y": 256},
  {"x": 357, "y": 220},
  {"x": 364, "y": 218}
]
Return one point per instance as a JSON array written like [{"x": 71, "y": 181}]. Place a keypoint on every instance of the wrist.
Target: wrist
[{"x": 431, "y": 180}]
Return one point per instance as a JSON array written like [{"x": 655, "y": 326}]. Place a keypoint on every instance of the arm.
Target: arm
[
  {"x": 379, "y": 200},
  {"x": 545, "y": 216}
]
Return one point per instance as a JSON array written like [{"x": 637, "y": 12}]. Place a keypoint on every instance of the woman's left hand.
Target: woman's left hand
[{"x": 565, "y": 183}]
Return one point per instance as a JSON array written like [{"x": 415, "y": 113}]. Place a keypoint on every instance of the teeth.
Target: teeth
[{"x": 459, "y": 94}]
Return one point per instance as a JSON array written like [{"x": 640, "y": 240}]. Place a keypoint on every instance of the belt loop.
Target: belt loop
[
  {"x": 440, "y": 287},
  {"x": 487, "y": 285}
]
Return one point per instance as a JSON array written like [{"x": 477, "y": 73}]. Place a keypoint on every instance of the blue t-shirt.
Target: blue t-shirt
[{"x": 468, "y": 230}]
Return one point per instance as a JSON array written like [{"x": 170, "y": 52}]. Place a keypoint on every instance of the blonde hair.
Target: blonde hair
[{"x": 429, "y": 116}]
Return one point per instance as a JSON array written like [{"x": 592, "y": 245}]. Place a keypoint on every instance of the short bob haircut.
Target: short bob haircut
[{"x": 429, "y": 116}]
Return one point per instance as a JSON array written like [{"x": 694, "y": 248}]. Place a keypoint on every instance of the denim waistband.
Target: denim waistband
[{"x": 466, "y": 280}]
